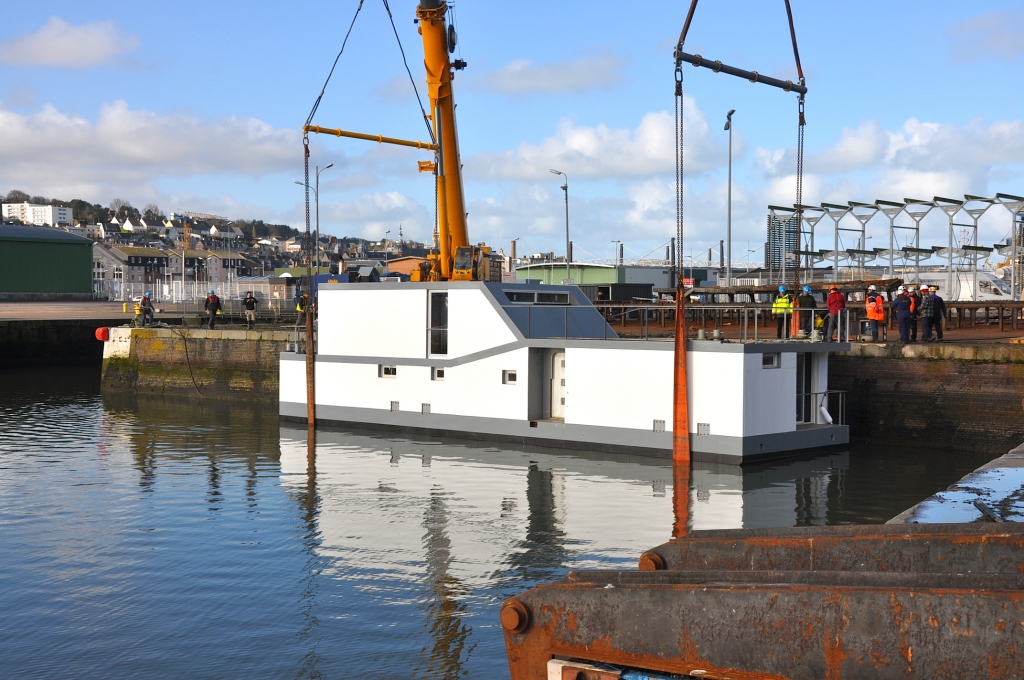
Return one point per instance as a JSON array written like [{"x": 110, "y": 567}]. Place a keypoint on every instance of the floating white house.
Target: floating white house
[{"x": 539, "y": 365}]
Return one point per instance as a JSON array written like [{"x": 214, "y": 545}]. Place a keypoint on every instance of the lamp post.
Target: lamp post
[
  {"x": 316, "y": 196},
  {"x": 728, "y": 213},
  {"x": 565, "y": 188},
  {"x": 615, "y": 252}
]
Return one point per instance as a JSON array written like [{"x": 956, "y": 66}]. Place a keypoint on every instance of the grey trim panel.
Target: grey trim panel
[
  {"x": 548, "y": 433},
  {"x": 747, "y": 448},
  {"x": 545, "y": 343},
  {"x": 715, "y": 448},
  {"x": 766, "y": 347}
]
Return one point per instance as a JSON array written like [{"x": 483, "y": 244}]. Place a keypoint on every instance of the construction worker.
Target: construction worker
[
  {"x": 212, "y": 307},
  {"x": 874, "y": 305},
  {"x": 249, "y": 303},
  {"x": 902, "y": 305},
  {"x": 836, "y": 302},
  {"x": 938, "y": 313},
  {"x": 915, "y": 311},
  {"x": 926, "y": 311},
  {"x": 782, "y": 308},
  {"x": 807, "y": 304},
  {"x": 300, "y": 307},
  {"x": 146, "y": 307}
]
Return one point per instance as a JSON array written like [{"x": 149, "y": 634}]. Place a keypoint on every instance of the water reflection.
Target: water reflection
[{"x": 182, "y": 538}]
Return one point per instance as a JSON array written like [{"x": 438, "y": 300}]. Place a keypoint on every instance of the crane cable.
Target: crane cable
[{"x": 426, "y": 119}]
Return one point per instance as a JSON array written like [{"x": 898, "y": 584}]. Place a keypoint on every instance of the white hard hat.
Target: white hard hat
[
  {"x": 924, "y": 287},
  {"x": 901, "y": 289},
  {"x": 871, "y": 287}
]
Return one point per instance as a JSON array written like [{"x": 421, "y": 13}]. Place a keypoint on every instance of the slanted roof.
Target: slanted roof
[
  {"x": 136, "y": 251},
  {"x": 20, "y": 232}
]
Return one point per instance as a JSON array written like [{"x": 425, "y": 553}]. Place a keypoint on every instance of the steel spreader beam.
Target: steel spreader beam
[
  {"x": 752, "y": 76},
  {"x": 380, "y": 139}
]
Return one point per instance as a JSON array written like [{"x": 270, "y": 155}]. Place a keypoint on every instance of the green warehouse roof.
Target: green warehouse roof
[{"x": 18, "y": 232}]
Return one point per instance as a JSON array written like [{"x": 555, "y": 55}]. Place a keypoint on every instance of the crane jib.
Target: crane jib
[{"x": 752, "y": 76}]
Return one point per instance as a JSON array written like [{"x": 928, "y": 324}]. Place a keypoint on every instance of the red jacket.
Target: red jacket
[{"x": 835, "y": 302}]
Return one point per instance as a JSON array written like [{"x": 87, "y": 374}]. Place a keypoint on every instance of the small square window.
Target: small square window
[
  {"x": 508, "y": 377},
  {"x": 769, "y": 361},
  {"x": 385, "y": 371},
  {"x": 437, "y": 373}
]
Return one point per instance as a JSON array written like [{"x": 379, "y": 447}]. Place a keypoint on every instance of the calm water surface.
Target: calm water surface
[{"x": 167, "y": 538}]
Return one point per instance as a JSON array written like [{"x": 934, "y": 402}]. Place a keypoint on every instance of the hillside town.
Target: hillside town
[{"x": 179, "y": 255}]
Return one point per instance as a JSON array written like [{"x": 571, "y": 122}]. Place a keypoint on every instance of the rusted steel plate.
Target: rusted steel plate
[
  {"x": 758, "y": 625},
  {"x": 924, "y": 548}
]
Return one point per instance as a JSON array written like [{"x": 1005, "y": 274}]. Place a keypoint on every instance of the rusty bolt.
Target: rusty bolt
[
  {"x": 515, "y": 617},
  {"x": 651, "y": 561}
]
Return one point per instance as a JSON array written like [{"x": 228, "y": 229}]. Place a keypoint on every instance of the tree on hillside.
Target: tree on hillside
[
  {"x": 89, "y": 213},
  {"x": 124, "y": 209},
  {"x": 153, "y": 211},
  {"x": 16, "y": 196}
]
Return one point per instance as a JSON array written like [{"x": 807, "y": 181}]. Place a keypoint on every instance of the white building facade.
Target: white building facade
[{"x": 38, "y": 215}]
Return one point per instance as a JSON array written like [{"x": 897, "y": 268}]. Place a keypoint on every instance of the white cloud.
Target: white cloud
[
  {"x": 58, "y": 44},
  {"x": 602, "y": 71},
  {"x": 996, "y": 35},
  {"x": 370, "y": 215},
  {"x": 125, "y": 150},
  {"x": 603, "y": 152}
]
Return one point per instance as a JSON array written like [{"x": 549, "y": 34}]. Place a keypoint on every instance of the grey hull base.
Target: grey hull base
[{"x": 554, "y": 434}]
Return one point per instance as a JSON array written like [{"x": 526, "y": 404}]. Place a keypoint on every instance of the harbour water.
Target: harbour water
[{"x": 152, "y": 537}]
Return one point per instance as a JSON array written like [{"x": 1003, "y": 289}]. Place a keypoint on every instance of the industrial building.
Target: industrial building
[{"x": 40, "y": 263}]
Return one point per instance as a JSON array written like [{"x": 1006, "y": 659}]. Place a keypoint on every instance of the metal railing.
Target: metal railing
[
  {"x": 755, "y": 323},
  {"x": 821, "y": 408}
]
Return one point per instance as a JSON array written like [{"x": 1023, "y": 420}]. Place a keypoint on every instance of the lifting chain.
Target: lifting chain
[{"x": 679, "y": 175}]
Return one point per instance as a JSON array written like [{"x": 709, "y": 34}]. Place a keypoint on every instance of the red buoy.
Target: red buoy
[{"x": 103, "y": 334}]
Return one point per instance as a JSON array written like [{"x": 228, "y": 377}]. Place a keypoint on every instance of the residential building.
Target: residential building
[
  {"x": 39, "y": 215},
  {"x": 108, "y": 268},
  {"x": 144, "y": 265}
]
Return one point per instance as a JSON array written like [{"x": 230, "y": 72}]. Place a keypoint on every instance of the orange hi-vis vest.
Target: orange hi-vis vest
[{"x": 876, "y": 309}]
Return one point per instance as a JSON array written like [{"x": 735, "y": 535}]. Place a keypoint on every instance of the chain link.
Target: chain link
[{"x": 680, "y": 129}]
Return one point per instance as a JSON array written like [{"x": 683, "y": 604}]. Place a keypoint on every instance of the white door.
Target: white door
[{"x": 558, "y": 385}]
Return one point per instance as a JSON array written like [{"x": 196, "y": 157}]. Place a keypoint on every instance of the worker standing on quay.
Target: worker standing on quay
[
  {"x": 250, "y": 303},
  {"x": 300, "y": 307},
  {"x": 926, "y": 311},
  {"x": 836, "y": 304},
  {"x": 807, "y": 304},
  {"x": 902, "y": 305},
  {"x": 915, "y": 312},
  {"x": 212, "y": 307},
  {"x": 146, "y": 307},
  {"x": 938, "y": 313},
  {"x": 782, "y": 308},
  {"x": 874, "y": 304}
]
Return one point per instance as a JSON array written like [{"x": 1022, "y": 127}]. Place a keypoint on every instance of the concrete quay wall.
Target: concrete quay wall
[
  {"x": 939, "y": 394},
  {"x": 50, "y": 342},
  {"x": 194, "y": 362}
]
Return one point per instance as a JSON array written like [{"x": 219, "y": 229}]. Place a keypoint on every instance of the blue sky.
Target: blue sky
[{"x": 197, "y": 106}]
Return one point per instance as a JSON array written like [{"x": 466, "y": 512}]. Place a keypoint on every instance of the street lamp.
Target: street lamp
[
  {"x": 565, "y": 188},
  {"x": 316, "y": 195},
  {"x": 728, "y": 218},
  {"x": 615, "y": 252}
]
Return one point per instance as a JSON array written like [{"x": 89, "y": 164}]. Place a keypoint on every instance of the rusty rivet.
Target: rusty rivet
[
  {"x": 651, "y": 561},
  {"x": 515, "y": 617}
]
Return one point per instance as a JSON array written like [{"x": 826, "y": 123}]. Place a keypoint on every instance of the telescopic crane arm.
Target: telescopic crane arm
[{"x": 438, "y": 40}]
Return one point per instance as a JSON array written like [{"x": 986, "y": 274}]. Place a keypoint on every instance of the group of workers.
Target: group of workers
[{"x": 909, "y": 306}]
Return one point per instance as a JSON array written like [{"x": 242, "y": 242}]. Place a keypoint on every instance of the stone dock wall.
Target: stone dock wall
[
  {"x": 941, "y": 395},
  {"x": 194, "y": 362},
  {"x": 51, "y": 342}
]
